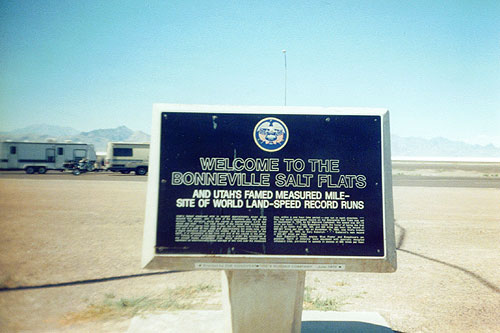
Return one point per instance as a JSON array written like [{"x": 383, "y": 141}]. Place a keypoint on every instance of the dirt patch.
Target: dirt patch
[{"x": 59, "y": 231}]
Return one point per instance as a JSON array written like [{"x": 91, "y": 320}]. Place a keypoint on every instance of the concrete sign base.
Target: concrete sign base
[{"x": 262, "y": 301}]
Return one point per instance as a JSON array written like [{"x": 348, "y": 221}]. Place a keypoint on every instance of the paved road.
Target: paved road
[
  {"x": 67, "y": 175},
  {"x": 423, "y": 181},
  {"x": 398, "y": 180}
]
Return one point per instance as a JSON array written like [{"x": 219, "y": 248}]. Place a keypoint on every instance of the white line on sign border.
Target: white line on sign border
[{"x": 305, "y": 267}]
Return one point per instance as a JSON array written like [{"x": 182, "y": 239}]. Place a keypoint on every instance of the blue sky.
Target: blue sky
[{"x": 99, "y": 64}]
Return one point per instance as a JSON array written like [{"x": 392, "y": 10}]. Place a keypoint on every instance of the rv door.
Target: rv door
[
  {"x": 60, "y": 157},
  {"x": 51, "y": 155},
  {"x": 12, "y": 160}
]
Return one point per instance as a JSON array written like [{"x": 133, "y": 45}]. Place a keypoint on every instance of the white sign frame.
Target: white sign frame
[{"x": 153, "y": 260}]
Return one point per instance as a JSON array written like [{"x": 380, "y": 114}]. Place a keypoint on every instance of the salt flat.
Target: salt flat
[{"x": 64, "y": 230}]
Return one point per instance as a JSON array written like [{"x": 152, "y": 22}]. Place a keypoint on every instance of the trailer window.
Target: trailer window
[
  {"x": 13, "y": 150},
  {"x": 79, "y": 153},
  {"x": 122, "y": 152},
  {"x": 60, "y": 151}
]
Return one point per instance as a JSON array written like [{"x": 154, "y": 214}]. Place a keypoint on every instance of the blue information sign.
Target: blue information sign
[{"x": 270, "y": 184}]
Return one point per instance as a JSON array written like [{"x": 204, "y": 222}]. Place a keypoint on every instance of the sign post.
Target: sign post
[
  {"x": 267, "y": 193},
  {"x": 262, "y": 300}
]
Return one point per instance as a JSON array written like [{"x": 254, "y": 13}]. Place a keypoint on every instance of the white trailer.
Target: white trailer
[
  {"x": 42, "y": 156},
  {"x": 125, "y": 157}
]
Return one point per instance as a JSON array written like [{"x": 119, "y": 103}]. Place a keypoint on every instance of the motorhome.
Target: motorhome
[
  {"x": 125, "y": 157},
  {"x": 42, "y": 156}
]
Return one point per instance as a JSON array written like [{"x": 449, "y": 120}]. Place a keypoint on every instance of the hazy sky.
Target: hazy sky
[{"x": 99, "y": 64}]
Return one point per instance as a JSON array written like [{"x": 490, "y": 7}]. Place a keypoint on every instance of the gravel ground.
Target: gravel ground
[{"x": 57, "y": 231}]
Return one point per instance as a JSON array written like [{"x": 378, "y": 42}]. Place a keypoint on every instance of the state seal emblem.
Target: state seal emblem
[{"x": 270, "y": 134}]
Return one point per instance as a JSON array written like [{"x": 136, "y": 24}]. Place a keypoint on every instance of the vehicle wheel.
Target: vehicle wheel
[
  {"x": 76, "y": 172},
  {"x": 42, "y": 170},
  {"x": 30, "y": 170},
  {"x": 125, "y": 172},
  {"x": 141, "y": 171}
]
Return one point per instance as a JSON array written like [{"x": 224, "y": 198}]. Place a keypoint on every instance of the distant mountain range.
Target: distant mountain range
[
  {"x": 42, "y": 130},
  {"x": 400, "y": 146},
  {"x": 99, "y": 138}
]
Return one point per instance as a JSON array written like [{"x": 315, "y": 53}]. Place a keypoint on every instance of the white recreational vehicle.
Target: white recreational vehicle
[
  {"x": 128, "y": 156},
  {"x": 42, "y": 156}
]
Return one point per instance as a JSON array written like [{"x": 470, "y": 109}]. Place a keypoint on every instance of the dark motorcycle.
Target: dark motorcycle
[{"x": 80, "y": 167}]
